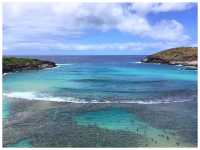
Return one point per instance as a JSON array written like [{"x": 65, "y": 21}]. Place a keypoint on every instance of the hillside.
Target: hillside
[
  {"x": 186, "y": 56},
  {"x": 13, "y": 64}
]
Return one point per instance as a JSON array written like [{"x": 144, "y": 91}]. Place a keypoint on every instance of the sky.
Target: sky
[{"x": 97, "y": 28}]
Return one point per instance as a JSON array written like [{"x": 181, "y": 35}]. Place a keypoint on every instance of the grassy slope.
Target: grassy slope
[
  {"x": 19, "y": 61},
  {"x": 12, "y": 64},
  {"x": 177, "y": 54}
]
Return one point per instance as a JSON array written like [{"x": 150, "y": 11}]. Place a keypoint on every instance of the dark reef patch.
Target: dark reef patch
[{"x": 52, "y": 125}]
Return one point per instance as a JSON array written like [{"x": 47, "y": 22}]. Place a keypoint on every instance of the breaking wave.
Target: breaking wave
[
  {"x": 64, "y": 64},
  {"x": 4, "y": 74},
  {"x": 137, "y": 62},
  {"x": 44, "y": 97}
]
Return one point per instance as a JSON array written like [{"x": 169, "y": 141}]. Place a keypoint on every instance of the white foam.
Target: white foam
[
  {"x": 155, "y": 102},
  {"x": 64, "y": 64},
  {"x": 32, "y": 96},
  {"x": 137, "y": 62},
  {"x": 43, "y": 97},
  {"x": 5, "y": 74},
  {"x": 179, "y": 65},
  {"x": 52, "y": 68}
]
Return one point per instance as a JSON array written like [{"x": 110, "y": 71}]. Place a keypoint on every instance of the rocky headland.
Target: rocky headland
[
  {"x": 13, "y": 64},
  {"x": 186, "y": 56}
]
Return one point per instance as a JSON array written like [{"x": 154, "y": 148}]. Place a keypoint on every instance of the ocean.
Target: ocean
[{"x": 128, "y": 103}]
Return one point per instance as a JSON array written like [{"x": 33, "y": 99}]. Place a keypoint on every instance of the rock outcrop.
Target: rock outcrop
[
  {"x": 186, "y": 56},
  {"x": 13, "y": 64}
]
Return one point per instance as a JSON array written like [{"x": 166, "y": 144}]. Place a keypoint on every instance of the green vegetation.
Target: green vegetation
[
  {"x": 12, "y": 64},
  {"x": 19, "y": 61},
  {"x": 186, "y": 56},
  {"x": 178, "y": 54}
]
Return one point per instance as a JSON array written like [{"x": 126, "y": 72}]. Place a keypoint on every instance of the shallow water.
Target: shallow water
[
  {"x": 160, "y": 102},
  {"x": 22, "y": 143},
  {"x": 113, "y": 119},
  {"x": 104, "y": 80},
  {"x": 120, "y": 119},
  {"x": 6, "y": 109}
]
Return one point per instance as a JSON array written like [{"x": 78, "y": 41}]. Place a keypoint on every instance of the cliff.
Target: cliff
[
  {"x": 13, "y": 64},
  {"x": 186, "y": 56}
]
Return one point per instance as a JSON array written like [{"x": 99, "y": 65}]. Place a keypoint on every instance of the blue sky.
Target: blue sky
[{"x": 97, "y": 28}]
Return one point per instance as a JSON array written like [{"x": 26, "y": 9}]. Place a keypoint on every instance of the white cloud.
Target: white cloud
[
  {"x": 168, "y": 30},
  {"x": 41, "y": 22},
  {"x": 144, "y": 8},
  {"x": 63, "y": 47},
  {"x": 134, "y": 24}
]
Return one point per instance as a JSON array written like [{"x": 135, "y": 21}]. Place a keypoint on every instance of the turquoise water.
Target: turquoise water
[
  {"x": 158, "y": 98},
  {"x": 109, "y": 81},
  {"x": 115, "y": 119},
  {"x": 120, "y": 119},
  {"x": 6, "y": 109},
  {"x": 22, "y": 143}
]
